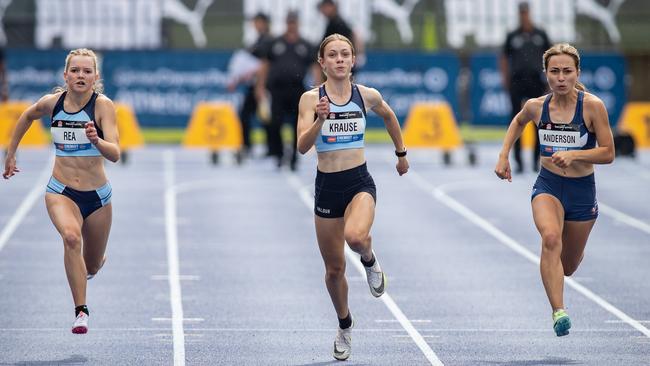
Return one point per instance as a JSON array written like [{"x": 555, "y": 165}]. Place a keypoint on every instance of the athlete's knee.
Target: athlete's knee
[
  {"x": 551, "y": 241},
  {"x": 357, "y": 239},
  {"x": 71, "y": 239},
  {"x": 335, "y": 272}
]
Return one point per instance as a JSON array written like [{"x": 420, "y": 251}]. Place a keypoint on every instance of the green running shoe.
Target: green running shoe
[{"x": 561, "y": 323}]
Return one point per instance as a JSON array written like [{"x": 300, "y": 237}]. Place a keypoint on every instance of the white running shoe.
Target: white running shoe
[
  {"x": 343, "y": 343},
  {"x": 80, "y": 325},
  {"x": 376, "y": 278}
]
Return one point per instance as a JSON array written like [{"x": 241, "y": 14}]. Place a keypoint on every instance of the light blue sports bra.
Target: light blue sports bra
[
  {"x": 69, "y": 131},
  {"x": 345, "y": 126}
]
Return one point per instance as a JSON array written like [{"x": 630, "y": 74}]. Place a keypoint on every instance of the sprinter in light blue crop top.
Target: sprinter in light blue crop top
[
  {"x": 332, "y": 118},
  {"x": 78, "y": 194}
]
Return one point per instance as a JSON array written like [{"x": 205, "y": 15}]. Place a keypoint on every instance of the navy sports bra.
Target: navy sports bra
[{"x": 564, "y": 136}]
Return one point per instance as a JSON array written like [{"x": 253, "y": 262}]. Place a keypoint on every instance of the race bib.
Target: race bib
[
  {"x": 70, "y": 136},
  {"x": 560, "y": 137},
  {"x": 343, "y": 127}
]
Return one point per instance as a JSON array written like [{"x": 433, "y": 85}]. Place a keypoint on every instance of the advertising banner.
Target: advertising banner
[
  {"x": 603, "y": 74},
  {"x": 405, "y": 78}
]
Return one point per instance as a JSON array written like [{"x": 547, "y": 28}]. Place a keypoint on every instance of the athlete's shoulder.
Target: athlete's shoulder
[
  {"x": 592, "y": 99},
  {"x": 310, "y": 96},
  {"x": 103, "y": 100},
  {"x": 536, "y": 102},
  {"x": 49, "y": 100},
  {"x": 368, "y": 92},
  {"x": 593, "y": 104}
]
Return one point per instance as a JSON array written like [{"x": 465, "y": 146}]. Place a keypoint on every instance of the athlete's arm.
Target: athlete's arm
[
  {"x": 515, "y": 130},
  {"x": 596, "y": 113},
  {"x": 42, "y": 107},
  {"x": 308, "y": 128},
  {"x": 378, "y": 105},
  {"x": 105, "y": 115}
]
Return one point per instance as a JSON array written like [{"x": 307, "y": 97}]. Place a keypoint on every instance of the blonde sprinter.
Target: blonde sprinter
[
  {"x": 574, "y": 135},
  {"x": 78, "y": 194},
  {"x": 332, "y": 118}
]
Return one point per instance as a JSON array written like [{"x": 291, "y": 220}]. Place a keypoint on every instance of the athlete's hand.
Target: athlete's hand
[
  {"x": 402, "y": 165},
  {"x": 91, "y": 132},
  {"x": 10, "y": 167},
  {"x": 502, "y": 170},
  {"x": 562, "y": 158},
  {"x": 323, "y": 109}
]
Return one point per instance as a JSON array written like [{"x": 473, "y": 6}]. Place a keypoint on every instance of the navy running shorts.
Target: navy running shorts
[
  {"x": 334, "y": 191},
  {"x": 87, "y": 201},
  {"x": 577, "y": 195}
]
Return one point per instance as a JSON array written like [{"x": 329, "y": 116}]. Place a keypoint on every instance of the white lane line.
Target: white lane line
[
  {"x": 620, "y": 321},
  {"x": 440, "y": 195},
  {"x": 171, "y": 319},
  {"x": 330, "y": 330},
  {"x": 395, "y": 320},
  {"x": 180, "y": 278},
  {"x": 433, "y": 359},
  {"x": 172, "y": 260},
  {"x": 604, "y": 208},
  {"x": 37, "y": 191},
  {"x": 624, "y": 218}
]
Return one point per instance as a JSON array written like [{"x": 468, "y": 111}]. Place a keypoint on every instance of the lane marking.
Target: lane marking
[
  {"x": 395, "y": 320},
  {"x": 604, "y": 208},
  {"x": 439, "y": 194},
  {"x": 171, "y": 319},
  {"x": 180, "y": 278},
  {"x": 620, "y": 321},
  {"x": 171, "y": 232},
  {"x": 433, "y": 359},
  {"x": 624, "y": 218},
  {"x": 26, "y": 205},
  {"x": 330, "y": 330}
]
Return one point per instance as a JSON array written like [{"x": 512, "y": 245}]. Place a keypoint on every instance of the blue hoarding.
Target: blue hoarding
[
  {"x": 404, "y": 78},
  {"x": 602, "y": 74}
]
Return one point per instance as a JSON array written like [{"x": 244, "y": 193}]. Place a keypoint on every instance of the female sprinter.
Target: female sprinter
[
  {"x": 78, "y": 194},
  {"x": 574, "y": 135},
  {"x": 333, "y": 118}
]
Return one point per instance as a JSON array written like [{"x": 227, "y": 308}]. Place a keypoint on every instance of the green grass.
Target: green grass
[{"x": 373, "y": 135}]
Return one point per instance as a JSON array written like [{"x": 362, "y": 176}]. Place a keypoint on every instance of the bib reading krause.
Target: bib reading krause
[{"x": 345, "y": 125}]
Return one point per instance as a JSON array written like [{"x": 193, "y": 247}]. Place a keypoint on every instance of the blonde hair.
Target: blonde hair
[
  {"x": 98, "y": 85},
  {"x": 564, "y": 49}
]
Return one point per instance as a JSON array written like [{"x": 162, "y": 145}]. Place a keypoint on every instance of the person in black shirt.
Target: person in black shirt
[
  {"x": 250, "y": 105},
  {"x": 336, "y": 24},
  {"x": 522, "y": 73},
  {"x": 284, "y": 66}
]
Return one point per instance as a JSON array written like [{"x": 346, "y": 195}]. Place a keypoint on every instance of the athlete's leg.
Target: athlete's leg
[
  {"x": 67, "y": 220},
  {"x": 95, "y": 231},
  {"x": 329, "y": 233},
  {"x": 359, "y": 216},
  {"x": 549, "y": 219},
  {"x": 574, "y": 240}
]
